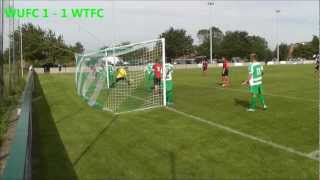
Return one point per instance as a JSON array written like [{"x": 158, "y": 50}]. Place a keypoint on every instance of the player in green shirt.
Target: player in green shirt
[
  {"x": 100, "y": 72},
  {"x": 255, "y": 83},
  {"x": 149, "y": 75},
  {"x": 169, "y": 84},
  {"x": 111, "y": 74}
]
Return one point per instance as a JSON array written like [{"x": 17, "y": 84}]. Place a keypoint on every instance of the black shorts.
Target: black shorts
[
  {"x": 121, "y": 78},
  {"x": 225, "y": 72},
  {"x": 317, "y": 67},
  {"x": 204, "y": 68},
  {"x": 157, "y": 81}
]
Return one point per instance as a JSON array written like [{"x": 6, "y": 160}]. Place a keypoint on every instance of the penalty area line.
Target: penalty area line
[{"x": 245, "y": 135}]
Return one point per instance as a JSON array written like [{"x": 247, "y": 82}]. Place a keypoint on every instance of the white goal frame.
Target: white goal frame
[
  {"x": 162, "y": 102},
  {"x": 164, "y": 71}
]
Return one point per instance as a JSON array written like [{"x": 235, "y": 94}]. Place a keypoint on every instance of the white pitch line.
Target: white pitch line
[
  {"x": 314, "y": 154},
  {"x": 270, "y": 143},
  {"x": 137, "y": 110},
  {"x": 268, "y": 94}
]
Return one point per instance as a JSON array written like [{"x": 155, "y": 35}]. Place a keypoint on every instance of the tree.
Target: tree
[
  {"x": 259, "y": 46},
  {"x": 235, "y": 44},
  {"x": 78, "y": 48},
  {"x": 303, "y": 51},
  {"x": 34, "y": 46},
  {"x": 315, "y": 45},
  {"x": 204, "y": 38},
  {"x": 283, "y": 52},
  {"x": 178, "y": 43},
  {"x": 203, "y": 35},
  {"x": 306, "y": 50},
  {"x": 44, "y": 46},
  {"x": 268, "y": 55}
]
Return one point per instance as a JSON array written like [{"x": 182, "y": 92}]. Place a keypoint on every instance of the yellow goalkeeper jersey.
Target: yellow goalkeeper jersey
[{"x": 121, "y": 73}]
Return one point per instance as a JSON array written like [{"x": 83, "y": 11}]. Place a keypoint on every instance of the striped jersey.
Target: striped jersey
[
  {"x": 149, "y": 68},
  {"x": 169, "y": 71},
  {"x": 110, "y": 69},
  {"x": 255, "y": 70}
]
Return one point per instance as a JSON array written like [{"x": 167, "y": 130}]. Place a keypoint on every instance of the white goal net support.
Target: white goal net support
[{"x": 121, "y": 79}]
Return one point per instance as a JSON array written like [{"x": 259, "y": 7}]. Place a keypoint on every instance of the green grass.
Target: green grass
[{"x": 74, "y": 141}]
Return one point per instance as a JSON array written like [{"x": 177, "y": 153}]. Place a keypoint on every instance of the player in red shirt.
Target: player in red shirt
[
  {"x": 157, "y": 70},
  {"x": 204, "y": 66},
  {"x": 225, "y": 72}
]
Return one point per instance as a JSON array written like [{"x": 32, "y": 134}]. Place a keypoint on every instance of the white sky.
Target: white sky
[{"x": 137, "y": 21}]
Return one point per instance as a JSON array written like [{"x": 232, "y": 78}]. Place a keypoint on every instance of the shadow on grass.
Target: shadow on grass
[
  {"x": 241, "y": 102},
  {"x": 69, "y": 115},
  {"x": 173, "y": 165},
  {"x": 49, "y": 156},
  {"x": 105, "y": 129}
]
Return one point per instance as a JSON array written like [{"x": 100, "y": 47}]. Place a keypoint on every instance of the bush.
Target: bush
[{"x": 8, "y": 103}]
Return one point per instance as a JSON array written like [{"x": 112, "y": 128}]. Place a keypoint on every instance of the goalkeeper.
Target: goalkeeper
[
  {"x": 169, "y": 84},
  {"x": 255, "y": 83},
  {"x": 121, "y": 76}
]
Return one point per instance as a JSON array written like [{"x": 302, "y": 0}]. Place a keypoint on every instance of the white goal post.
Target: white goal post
[{"x": 122, "y": 78}]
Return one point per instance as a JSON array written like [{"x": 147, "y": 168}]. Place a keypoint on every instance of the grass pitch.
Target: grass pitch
[{"x": 208, "y": 134}]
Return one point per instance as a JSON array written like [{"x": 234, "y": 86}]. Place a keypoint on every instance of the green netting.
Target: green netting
[{"x": 119, "y": 79}]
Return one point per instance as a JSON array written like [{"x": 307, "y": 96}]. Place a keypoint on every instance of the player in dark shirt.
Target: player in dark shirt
[
  {"x": 157, "y": 70},
  {"x": 225, "y": 72},
  {"x": 204, "y": 66},
  {"x": 317, "y": 63}
]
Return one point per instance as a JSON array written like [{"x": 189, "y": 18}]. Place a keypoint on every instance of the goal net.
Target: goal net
[{"x": 122, "y": 78}]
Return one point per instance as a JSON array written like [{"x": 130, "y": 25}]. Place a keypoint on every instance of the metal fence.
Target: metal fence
[{"x": 18, "y": 165}]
